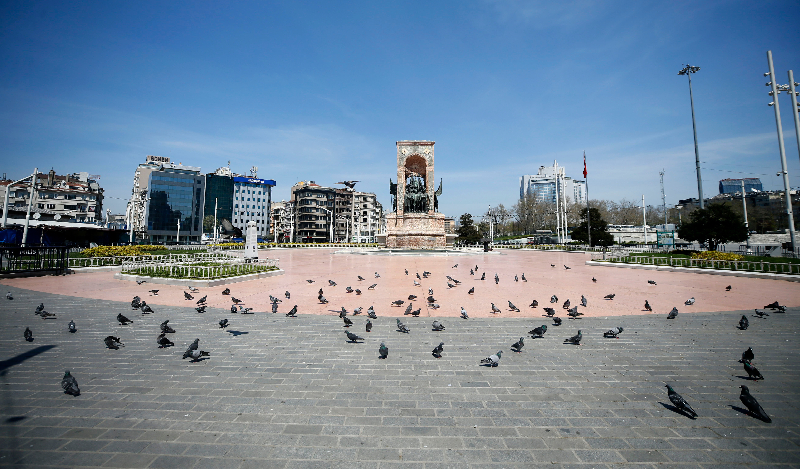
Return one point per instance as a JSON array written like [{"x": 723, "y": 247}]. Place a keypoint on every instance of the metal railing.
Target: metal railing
[
  {"x": 22, "y": 260},
  {"x": 744, "y": 266},
  {"x": 79, "y": 262},
  {"x": 219, "y": 269}
]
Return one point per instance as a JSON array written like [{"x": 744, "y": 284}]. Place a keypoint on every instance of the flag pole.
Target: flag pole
[{"x": 588, "y": 211}]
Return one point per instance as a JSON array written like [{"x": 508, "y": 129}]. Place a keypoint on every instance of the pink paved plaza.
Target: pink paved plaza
[{"x": 629, "y": 285}]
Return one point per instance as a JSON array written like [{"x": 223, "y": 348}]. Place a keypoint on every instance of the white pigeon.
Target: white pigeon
[
  {"x": 464, "y": 313},
  {"x": 416, "y": 284},
  {"x": 690, "y": 301}
]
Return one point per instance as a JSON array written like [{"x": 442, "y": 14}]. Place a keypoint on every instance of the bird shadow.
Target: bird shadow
[
  {"x": 237, "y": 333},
  {"x": 16, "y": 419},
  {"x": 200, "y": 359},
  {"x": 743, "y": 411},
  {"x": 677, "y": 410},
  {"x": 31, "y": 339},
  {"x": 488, "y": 365}
]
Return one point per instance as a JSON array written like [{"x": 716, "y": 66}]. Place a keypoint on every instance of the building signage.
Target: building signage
[{"x": 266, "y": 182}]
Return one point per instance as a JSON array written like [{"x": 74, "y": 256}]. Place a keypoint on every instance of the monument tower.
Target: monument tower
[{"x": 414, "y": 222}]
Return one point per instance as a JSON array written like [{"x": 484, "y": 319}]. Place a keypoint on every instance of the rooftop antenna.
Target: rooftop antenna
[
  {"x": 663, "y": 198},
  {"x": 254, "y": 171}
]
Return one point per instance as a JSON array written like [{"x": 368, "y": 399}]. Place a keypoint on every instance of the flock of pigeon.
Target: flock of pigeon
[{"x": 70, "y": 385}]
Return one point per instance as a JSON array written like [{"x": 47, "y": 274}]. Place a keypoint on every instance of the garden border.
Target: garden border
[{"x": 694, "y": 270}]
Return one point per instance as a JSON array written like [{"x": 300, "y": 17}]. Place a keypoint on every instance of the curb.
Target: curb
[
  {"x": 694, "y": 270},
  {"x": 199, "y": 282}
]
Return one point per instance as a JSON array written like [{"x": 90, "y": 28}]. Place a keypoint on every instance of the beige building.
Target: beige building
[{"x": 76, "y": 198}]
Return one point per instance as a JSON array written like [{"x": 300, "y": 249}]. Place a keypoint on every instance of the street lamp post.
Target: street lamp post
[
  {"x": 795, "y": 107},
  {"x": 744, "y": 206},
  {"x": 178, "y": 235},
  {"x": 330, "y": 225},
  {"x": 688, "y": 70}
]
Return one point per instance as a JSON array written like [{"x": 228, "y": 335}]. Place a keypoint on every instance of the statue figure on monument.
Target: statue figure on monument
[
  {"x": 393, "y": 193},
  {"x": 436, "y": 197}
]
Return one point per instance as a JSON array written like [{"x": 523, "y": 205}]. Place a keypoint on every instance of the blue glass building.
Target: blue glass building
[
  {"x": 174, "y": 193},
  {"x": 732, "y": 186}
]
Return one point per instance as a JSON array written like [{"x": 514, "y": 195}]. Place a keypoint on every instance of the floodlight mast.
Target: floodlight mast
[{"x": 688, "y": 70}]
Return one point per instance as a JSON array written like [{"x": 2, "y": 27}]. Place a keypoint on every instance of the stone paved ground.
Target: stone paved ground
[{"x": 289, "y": 393}]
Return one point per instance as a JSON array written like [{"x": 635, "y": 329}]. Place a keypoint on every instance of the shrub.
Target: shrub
[
  {"x": 718, "y": 256},
  {"x": 115, "y": 251}
]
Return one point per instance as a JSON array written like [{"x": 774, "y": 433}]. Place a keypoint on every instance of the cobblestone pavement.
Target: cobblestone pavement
[{"x": 282, "y": 392}]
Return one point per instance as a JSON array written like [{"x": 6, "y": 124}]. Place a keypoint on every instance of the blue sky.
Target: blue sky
[{"x": 322, "y": 91}]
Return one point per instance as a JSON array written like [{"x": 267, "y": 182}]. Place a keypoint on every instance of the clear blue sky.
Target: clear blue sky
[{"x": 322, "y": 91}]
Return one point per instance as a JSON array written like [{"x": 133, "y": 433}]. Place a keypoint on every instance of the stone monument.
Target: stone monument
[
  {"x": 414, "y": 222},
  {"x": 251, "y": 241}
]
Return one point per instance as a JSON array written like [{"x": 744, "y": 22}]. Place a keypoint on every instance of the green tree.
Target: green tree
[
  {"x": 208, "y": 224},
  {"x": 600, "y": 234},
  {"x": 713, "y": 225},
  {"x": 467, "y": 233}
]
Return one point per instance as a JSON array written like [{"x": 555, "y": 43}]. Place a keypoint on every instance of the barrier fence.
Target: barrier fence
[
  {"x": 19, "y": 260},
  {"x": 200, "y": 270},
  {"x": 746, "y": 266}
]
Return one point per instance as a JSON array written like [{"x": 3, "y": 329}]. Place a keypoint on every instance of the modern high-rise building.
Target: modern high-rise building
[
  {"x": 252, "y": 200},
  {"x": 167, "y": 201},
  {"x": 552, "y": 180},
  {"x": 732, "y": 186},
  {"x": 314, "y": 206},
  {"x": 219, "y": 194}
]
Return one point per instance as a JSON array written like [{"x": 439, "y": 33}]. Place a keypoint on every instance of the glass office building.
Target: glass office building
[
  {"x": 219, "y": 190},
  {"x": 175, "y": 193},
  {"x": 733, "y": 186}
]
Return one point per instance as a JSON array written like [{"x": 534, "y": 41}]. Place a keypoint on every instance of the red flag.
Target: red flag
[{"x": 584, "y": 165}]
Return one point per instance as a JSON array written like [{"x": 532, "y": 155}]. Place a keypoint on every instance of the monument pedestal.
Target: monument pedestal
[{"x": 415, "y": 231}]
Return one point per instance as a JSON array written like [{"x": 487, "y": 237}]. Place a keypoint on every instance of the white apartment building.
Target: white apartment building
[
  {"x": 549, "y": 181},
  {"x": 252, "y": 200},
  {"x": 75, "y": 198}
]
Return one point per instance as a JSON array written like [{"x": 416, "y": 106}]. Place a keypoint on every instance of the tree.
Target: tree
[
  {"x": 713, "y": 225},
  {"x": 600, "y": 234},
  {"x": 208, "y": 224},
  {"x": 467, "y": 233}
]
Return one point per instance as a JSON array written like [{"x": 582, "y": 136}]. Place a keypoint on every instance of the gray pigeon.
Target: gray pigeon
[
  {"x": 550, "y": 312},
  {"x": 223, "y": 323},
  {"x": 437, "y": 352},
  {"x": 483, "y": 276},
  {"x": 227, "y": 291},
  {"x": 369, "y": 325},
  {"x": 613, "y": 333},
  {"x": 274, "y": 308},
  {"x": 566, "y": 304},
  {"x": 71, "y": 327},
  {"x": 397, "y": 303},
  {"x": 576, "y": 339},
  {"x": 162, "y": 341},
  {"x": 673, "y": 314},
  {"x": 331, "y": 283},
  {"x": 752, "y": 372},
  {"x": 383, "y": 351},
  {"x": 496, "y": 279},
  {"x": 744, "y": 323},
  {"x": 464, "y": 314},
  {"x": 347, "y": 321},
  {"x": 517, "y": 346},
  {"x": 352, "y": 337},
  {"x": 292, "y": 312},
  {"x": 523, "y": 277},
  {"x": 165, "y": 328},
  {"x": 146, "y": 309},
  {"x": 556, "y": 321},
  {"x": 28, "y": 335},
  {"x": 123, "y": 320},
  {"x": 202, "y": 300},
  {"x": 409, "y": 308},
  {"x": 9, "y": 296},
  {"x": 357, "y": 311},
  {"x": 195, "y": 355},
  {"x": 372, "y": 287},
  {"x": 748, "y": 355},
  {"x": 437, "y": 326},
  {"x": 512, "y": 307},
  {"x": 534, "y": 304},
  {"x": 584, "y": 302},
  {"x": 471, "y": 291},
  {"x": 553, "y": 299},
  {"x": 753, "y": 406},
  {"x": 287, "y": 294},
  {"x": 201, "y": 309},
  {"x": 434, "y": 306},
  {"x": 358, "y": 292},
  {"x": 192, "y": 347},
  {"x": 493, "y": 360},
  {"x": 689, "y": 302},
  {"x": 70, "y": 385},
  {"x": 516, "y": 279},
  {"x": 573, "y": 313},
  {"x": 194, "y": 289},
  {"x": 680, "y": 402},
  {"x": 349, "y": 289},
  {"x": 610, "y": 296},
  {"x": 136, "y": 302},
  {"x": 538, "y": 331},
  {"x": 495, "y": 309},
  {"x": 651, "y": 282},
  {"x": 112, "y": 342},
  {"x": 360, "y": 278},
  {"x": 402, "y": 327},
  {"x": 187, "y": 296},
  {"x": 321, "y": 300},
  {"x": 235, "y": 310},
  {"x": 416, "y": 312},
  {"x": 371, "y": 313},
  {"x": 647, "y": 306}
]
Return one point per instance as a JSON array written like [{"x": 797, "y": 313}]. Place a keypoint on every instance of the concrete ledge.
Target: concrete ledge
[
  {"x": 694, "y": 270},
  {"x": 85, "y": 270},
  {"x": 198, "y": 282}
]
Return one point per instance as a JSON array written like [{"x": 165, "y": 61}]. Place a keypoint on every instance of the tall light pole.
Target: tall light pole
[
  {"x": 744, "y": 206},
  {"x": 30, "y": 203},
  {"x": 330, "y": 238},
  {"x": 644, "y": 220},
  {"x": 774, "y": 93},
  {"x": 688, "y": 70},
  {"x": 794, "y": 93},
  {"x": 178, "y": 235}
]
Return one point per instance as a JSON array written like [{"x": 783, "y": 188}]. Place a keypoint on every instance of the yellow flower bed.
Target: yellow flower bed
[
  {"x": 717, "y": 256},
  {"x": 114, "y": 251}
]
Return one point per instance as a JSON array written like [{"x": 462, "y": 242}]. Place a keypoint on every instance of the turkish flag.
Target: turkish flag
[{"x": 584, "y": 165}]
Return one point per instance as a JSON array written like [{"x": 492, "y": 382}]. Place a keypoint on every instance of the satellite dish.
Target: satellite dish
[
  {"x": 37, "y": 216},
  {"x": 57, "y": 217}
]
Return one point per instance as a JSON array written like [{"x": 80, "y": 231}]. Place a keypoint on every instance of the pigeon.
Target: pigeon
[
  {"x": 552, "y": 265},
  {"x": 476, "y": 267},
  {"x": 235, "y": 310},
  {"x": 197, "y": 354},
  {"x": 406, "y": 271},
  {"x": 573, "y": 313},
  {"x": 227, "y": 291},
  {"x": 728, "y": 288},
  {"x": 773, "y": 305},
  {"x": 287, "y": 294},
  {"x": 275, "y": 307},
  {"x": 450, "y": 285},
  {"x": 154, "y": 292},
  {"x": 495, "y": 309},
  {"x": 553, "y": 299},
  {"x": 360, "y": 278},
  {"x": 689, "y": 302},
  {"x": 455, "y": 266},
  {"x": 146, "y": 309},
  {"x": 550, "y": 312},
  {"x": 377, "y": 275},
  {"x": 418, "y": 277},
  {"x": 45, "y": 315},
  {"x": 292, "y": 312},
  {"x": 744, "y": 323},
  {"x": 40, "y": 308},
  {"x": 70, "y": 385},
  {"x": 139, "y": 282},
  {"x": 236, "y": 300},
  {"x": 71, "y": 327},
  {"x": 349, "y": 290},
  {"x": 747, "y": 355},
  {"x": 434, "y": 306},
  {"x": 538, "y": 331},
  {"x": 165, "y": 328},
  {"x": 680, "y": 403},
  {"x": 610, "y": 296},
  {"x": 201, "y": 309},
  {"x": 309, "y": 281},
  {"x": 517, "y": 346},
  {"x": 112, "y": 342},
  {"x": 594, "y": 280},
  {"x": 523, "y": 277},
  {"x": 464, "y": 314},
  {"x": 426, "y": 274},
  {"x": 647, "y": 306},
  {"x": 192, "y": 347},
  {"x": 416, "y": 284},
  {"x": 512, "y": 307},
  {"x": 187, "y": 296},
  {"x": 402, "y": 327},
  {"x": 613, "y": 333},
  {"x": 496, "y": 279},
  {"x": 752, "y": 405},
  {"x": 566, "y": 304},
  {"x": 534, "y": 304},
  {"x": 383, "y": 351},
  {"x": 28, "y": 335},
  {"x": 372, "y": 287},
  {"x": 369, "y": 325},
  {"x": 245, "y": 310},
  {"x": 412, "y": 297},
  {"x": 651, "y": 282},
  {"x": 761, "y": 314},
  {"x": 752, "y": 371},
  {"x": 409, "y": 308},
  {"x": 437, "y": 326},
  {"x": 584, "y": 301},
  {"x": 556, "y": 321},
  {"x": 162, "y": 341},
  {"x": 136, "y": 303},
  {"x": 123, "y": 320},
  {"x": 357, "y": 311},
  {"x": 437, "y": 352},
  {"x": 576, "y": 339},
  {"x": 202, "y": 300},
  {"x": 431, "y": 299},
  {"x": 493, "y": 360},
  {"x": 352, "y": 337},
  {"x": 516, "y": 279},
  {"x": 9, "y": 296},
  {"x": 223, "y": 323},
  {"x": 343, "y": 312},
  {"x": 273, "y": 299},
  {"x": 455, "y": 281},
  {"x": 322, "y": 300},
  {"x": 566, "y": 268},
  {"x": 371, "y": 313},
  {"x": 673, "y": 314},
  {"x": 483, "y": 277},
  {"x": 416, "y": 312},
  {"x": 471, "y": 272},
  {"x": 194, "y": 289},
  {"x": 331, "y": 283},
  {"x": 471, "y": 291},
  {"x": 347, "y": 321},
  {"x": 358, "y": 292}
]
